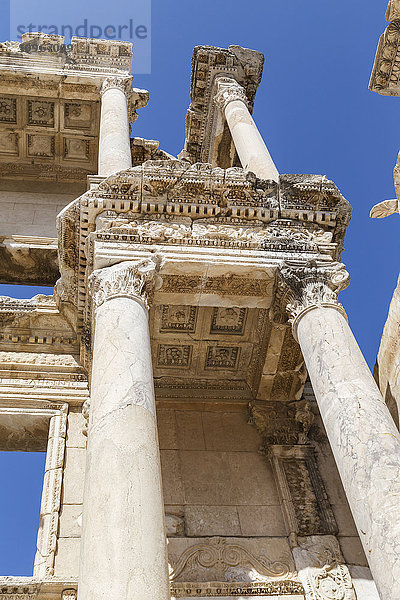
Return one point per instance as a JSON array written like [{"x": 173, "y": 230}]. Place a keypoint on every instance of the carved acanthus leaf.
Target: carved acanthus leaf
[
  {"x": 121, "y": 83},
  {"x": 126, "y": 279},
  {"x": 228, "y": 90},
  {"x": 313, "y": 284}
]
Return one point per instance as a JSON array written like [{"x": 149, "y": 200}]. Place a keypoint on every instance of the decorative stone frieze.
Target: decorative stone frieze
[
  {"x": 225, "y": 590},
  {"x": 303, "y": 495},
  {"x": 175, "y": 204},
  {"x": 229, "y": 559},
  {"x": 284, "y": 429},
  {"x": 385, "y": 77},
  {"x": 89, "y": 55}
]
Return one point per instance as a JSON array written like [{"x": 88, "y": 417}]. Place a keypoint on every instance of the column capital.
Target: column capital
[
  {"x": 136, "y": 280},
  {"x": 311, "y": 285},
  {"x": 227, "y": 89},
  {"x": 120, "y": 83}
]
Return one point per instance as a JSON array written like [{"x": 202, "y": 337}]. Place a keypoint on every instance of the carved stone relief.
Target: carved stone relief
[
  {"x": 222, "y": 357},
  {"x": 174, "y": 356},
  {"x": 178, "y": 318},
  {"x": 285, "y": 429},
  {"x": 41, "y": 113},
  {"x": 41, "y": 145},
  {"x": 321, "y": 569},
  {"x": 9, "y": 143},
  {"x": 228, "y": 320},
  {"x": 227, "y": 559},
  {"x": 8, "y": 110}
]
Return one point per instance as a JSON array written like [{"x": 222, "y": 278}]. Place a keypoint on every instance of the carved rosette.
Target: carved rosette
[
  {"x": 134, "y": 280},
  {"x": 312, "y": 285},
  {"x": 120, "y": 83},
  {"x": 228, "y": 90}
]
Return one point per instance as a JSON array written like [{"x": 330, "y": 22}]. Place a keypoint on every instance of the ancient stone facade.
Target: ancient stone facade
[{"x": 193, "y": 378}]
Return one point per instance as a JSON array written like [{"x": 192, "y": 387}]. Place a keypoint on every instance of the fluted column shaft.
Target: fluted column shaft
[
  {"x": 114, "y": 142},
  {"x": 250, "y": 146},
  {"x": 123, "y": 552},
  {"x": 361, "y": 432}
]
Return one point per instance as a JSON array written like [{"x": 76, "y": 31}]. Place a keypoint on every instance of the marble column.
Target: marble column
[
  {"x": 123, "y": 550},
  {"x": 364, "y": 439},
  {"x": 114, "y": 142},
  {"x": 252, "y": 151}
]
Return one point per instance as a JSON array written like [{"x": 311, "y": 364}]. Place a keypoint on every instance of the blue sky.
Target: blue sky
[{"x": 316, "y": 115}]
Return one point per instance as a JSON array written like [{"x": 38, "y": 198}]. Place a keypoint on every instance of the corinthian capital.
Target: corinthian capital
[
  {"x": 227, "y": 90},
  {"x": 305, "y": 286},
  {"x": 130, "y": 279},
  {"x": 120, "y": 83}
]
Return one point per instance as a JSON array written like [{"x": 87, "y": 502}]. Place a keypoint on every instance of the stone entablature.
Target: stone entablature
[
  {"x": 171, "y": 203},
  {"x": 50, "y": 104},
  {"x": 207, "y": 138},
  {"x": 42, "y": 52},
  {"x": 220, "y": 237},
  {"x": 385, "y": 77}
]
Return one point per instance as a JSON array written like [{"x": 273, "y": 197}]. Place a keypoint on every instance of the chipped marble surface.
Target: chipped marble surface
[
  {"x": 124, "y": 513},
  {"x": 363, "y": 437}
]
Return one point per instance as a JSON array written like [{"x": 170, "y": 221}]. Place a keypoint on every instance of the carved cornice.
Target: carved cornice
[
  {"x": 170, "y": 203},
  {"x": 137, "y": 98},
  {"x": 87, "y": 56},
  {"x": 304, "y": 287},
  {"x": 228, "y": 90},
  {"x": 120, "y": 83},
  {"x": 385, "y": 77},
  {"x": 127, "y": 279},
  {"x": 208, "y": 62}
]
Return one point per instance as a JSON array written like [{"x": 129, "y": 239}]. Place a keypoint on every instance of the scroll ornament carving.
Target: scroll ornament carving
[
  {"x": 228, "y": 90},
  {"x": 121, "y": 83},
  {"x": 312, "y": 284},
  {"x": 233, "y": 561},
  {"x": 322, "y": 570},
  {"x": 127, "y": 279},
  {"x": 70, "y": 594},
  {"x": 165, "y": 231}
]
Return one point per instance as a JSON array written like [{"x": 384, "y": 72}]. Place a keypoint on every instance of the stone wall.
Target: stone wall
[
  {"x": 31, "y": 214},
  {"x": 216, "y": 484}
]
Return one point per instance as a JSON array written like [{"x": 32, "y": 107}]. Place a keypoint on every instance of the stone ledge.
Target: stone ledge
[{"x": 28, "y": 260}]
